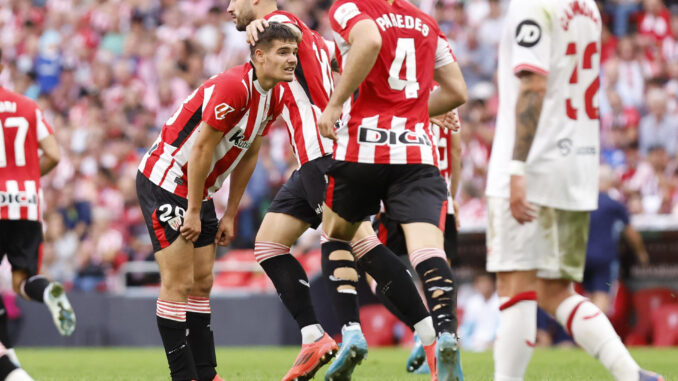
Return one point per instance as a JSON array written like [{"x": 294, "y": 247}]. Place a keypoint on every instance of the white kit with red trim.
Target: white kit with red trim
[{"x": 561, "y": 40}]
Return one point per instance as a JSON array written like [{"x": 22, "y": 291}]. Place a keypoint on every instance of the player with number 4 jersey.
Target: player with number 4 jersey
[
  {"x": 391, "y": 54},
  {"x": 543, "y": 181}
]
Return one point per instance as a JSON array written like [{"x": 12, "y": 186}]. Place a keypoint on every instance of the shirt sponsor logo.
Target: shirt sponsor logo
[
  {"x": 379, "y": 136},
  {"x": 565, "y": 146},
  {"x": 20, "y": 198},
  {"x": 528, "y": 33},
  {"x": 238, "y": 140},
  {"x": 221, "y": 110}
]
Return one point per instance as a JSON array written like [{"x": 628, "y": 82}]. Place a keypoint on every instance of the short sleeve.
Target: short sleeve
[
  {"x": 531, "y": 37},
  {"x": 43, "y": 128},
  {"x": 283, "y": 19},
  {"x": 224, "y": 102},
  {"x": 444, "y": 53},
  {"x": 344, "y": 15}
]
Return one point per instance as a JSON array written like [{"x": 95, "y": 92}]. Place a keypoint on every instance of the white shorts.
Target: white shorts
[{"x": 554, "y": 243}]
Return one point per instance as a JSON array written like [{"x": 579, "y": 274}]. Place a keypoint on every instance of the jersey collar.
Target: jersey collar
[{"x": 255, "y": 81}]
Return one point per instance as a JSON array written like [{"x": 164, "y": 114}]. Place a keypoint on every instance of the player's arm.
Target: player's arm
[
  {"x": 259, "y": 25},
  {"x": 452, "y": 91},
  {"x": 198, "y": 166},
  {"x": 238, "y": 178},
  {"x": 636, "y": 241},
  {"x": 51, "y": 154},
  {"x": 528, "y": 110},
  {"x": 365, "y": 42}
]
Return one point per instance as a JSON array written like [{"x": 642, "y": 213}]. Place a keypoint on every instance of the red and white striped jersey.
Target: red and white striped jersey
[
  {"x": 442, "y": 138},
  {"x": 305, "y": 98},
  {"x": 387, "y": 121},
  {"x": 233, "y": 102},
  {"x": 22, "y": 127}
]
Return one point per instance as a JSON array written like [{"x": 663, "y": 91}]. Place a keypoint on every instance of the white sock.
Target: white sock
[
  {"x": 13, "y": 357},
  {"x": 589, "y": 327},
  {"x": 311, "y": 333},
  {"x": 18, "y": 375},
  {"x": 516, "y": 336},
  {"x": 425, "y": 331}
]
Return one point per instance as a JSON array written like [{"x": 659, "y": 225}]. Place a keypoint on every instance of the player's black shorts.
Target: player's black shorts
[
  {"x": 303, "y": 194},
  {"x": 21, "y": 240},
  {"x": 391, "y": 234},
  {"x": 164, "y": 215},
  {"x": 410, "y": 192}
]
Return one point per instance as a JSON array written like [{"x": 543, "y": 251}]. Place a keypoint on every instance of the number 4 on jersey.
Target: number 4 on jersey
[{"x": 404, "y": 54}]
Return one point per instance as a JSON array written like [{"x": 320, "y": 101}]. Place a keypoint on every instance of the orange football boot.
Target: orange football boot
[
  {"x": 311, "y": 358},
  {"x": 430, "y": 351}
]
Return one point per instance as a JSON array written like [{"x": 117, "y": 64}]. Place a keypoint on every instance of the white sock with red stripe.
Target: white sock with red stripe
[
  {"x": 590, "y": 328},
  {"x": 363, "y": 246},
  {"x": 198, "y": 304},
  {"x": 171, "y": 310},
  {"x": 516, "y": 336}
]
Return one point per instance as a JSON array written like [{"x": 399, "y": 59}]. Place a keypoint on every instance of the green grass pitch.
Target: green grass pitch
[{"x": 268, "y": 363}]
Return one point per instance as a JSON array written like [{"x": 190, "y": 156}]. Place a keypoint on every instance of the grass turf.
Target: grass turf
[{"x": 268, "y": 363}]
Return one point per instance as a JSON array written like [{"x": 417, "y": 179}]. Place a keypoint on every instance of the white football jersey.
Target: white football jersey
[{"x": 560, "y": 39}]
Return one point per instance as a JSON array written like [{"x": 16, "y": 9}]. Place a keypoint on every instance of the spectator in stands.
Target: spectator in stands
[
  {"x": 653, "y": 180},
  {"x": 608, "y": 223},
  {"x": 658, "y": 128},
  {"x": 629, "y": 81},
  {"x": 621, "y": 11},
  {"x": 481, "y": 315}
]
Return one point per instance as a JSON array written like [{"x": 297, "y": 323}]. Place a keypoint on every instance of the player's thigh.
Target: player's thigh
[
  {"x": 570, "y": 237},
  {"x": 335, "y": 226},
  {"x": 518, "y": 247},
  {"x": 22, "y": 243},
  {"x": 176, "y": 261},
  {"x": 281, "y": 228},
  {"x": 422, "y": 235}
]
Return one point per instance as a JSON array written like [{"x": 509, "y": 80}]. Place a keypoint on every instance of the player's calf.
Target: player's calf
[{"x": 341, "y": 276}]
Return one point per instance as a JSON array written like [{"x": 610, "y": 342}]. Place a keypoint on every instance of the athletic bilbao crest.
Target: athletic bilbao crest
[
  {"x": 221, "y": 110},
  {"x": 175, "y": 223}
]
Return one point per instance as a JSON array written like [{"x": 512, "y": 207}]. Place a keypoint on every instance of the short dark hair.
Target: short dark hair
[{"x": 274, "y": 32}]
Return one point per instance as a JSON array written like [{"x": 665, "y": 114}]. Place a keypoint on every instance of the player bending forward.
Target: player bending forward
[
  {"x": 23, "y": 133},
  {"x": 217, "y": 132},
  {"x": 391, "y": 53},
  {"x": 542, "y": 183}
]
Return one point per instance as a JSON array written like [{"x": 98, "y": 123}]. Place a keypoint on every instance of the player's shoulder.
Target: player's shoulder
[
  {"x": 283, "y": 17},
  {"x": 234, "y": 83},
  {"x": 19, "y": 99}
]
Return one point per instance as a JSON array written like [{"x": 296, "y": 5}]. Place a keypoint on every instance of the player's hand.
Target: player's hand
[
  {"x": 455, "y": 207},
  {"x": 190, "y": 230},
  {"x": 327, "y": 120},
  {"x": 449, "y": 120},
  {"x": 521, "y": 210},
  {"x": 254, "y": 28},
  {"x": 226, "y": 231}
]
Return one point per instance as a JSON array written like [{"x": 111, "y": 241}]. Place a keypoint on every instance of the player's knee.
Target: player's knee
[
  {"x": 202, "y": 285},
  {"x": 178, "y": 285}
]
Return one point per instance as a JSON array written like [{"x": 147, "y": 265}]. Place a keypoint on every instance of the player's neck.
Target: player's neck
[
  {"x": 267, "y": 9},
  {"x": 266, "y": 83}
]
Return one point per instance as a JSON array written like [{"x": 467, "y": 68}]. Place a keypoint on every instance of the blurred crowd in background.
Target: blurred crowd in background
[{"x": 108, "y": 74}]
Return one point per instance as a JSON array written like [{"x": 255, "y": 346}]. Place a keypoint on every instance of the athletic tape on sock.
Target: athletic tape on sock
[
  {"x": 171, "y": 310},
  {"x": 420, "y": 255},
  {"x": 198, "y": 304},
  {"x": 364, "y": 245}
]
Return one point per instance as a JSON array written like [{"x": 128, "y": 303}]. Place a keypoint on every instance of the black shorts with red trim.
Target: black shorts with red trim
[
  {"x": 410, "y": 192},
  {"x": 391, "y": 234},
  {"x": 21, "y": 241},
  {"x": 303, "y": 194},
  {"x": 164, "y": 214}
]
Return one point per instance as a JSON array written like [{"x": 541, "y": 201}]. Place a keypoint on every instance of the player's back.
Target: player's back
[
  {"x": 394, "y": 95},
  {"x": 559, "y": 39},
  {"x": 22, "y": 126}
]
